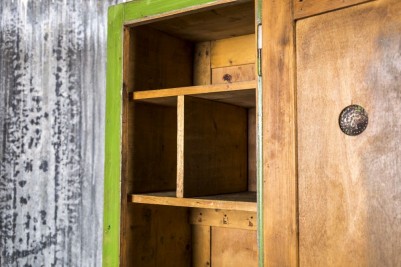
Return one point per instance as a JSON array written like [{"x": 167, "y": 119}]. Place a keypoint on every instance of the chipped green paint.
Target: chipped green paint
[{"x": 112, "y": 194}]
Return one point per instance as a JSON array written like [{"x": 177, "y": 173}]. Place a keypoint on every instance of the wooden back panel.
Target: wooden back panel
[
  {"x": 212, "y": 148},
  {"x": 157, "y": 236},
  {"x": 350, "y": 187}
]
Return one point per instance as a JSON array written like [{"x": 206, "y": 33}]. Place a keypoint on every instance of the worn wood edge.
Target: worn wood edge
[
  {"x": 280, "y": 205},
  {"x": 180, "y": 146},
  {"x": 193, "y": 90},
  {"x": 193, "y": 202},
  {"x": 112, "y": 176},
  {"x": 259, "y": 135},
  {"x": 142, "y": 12},
  {"x": 243, "y": 71},
  {"x": 305, "y": 9}
]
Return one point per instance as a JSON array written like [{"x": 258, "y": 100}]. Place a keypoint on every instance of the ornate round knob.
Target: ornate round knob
[{"x": 353, "y": 120}]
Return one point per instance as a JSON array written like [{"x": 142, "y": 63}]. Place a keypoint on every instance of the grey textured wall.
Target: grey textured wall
[{"x": 52, "y": 96}]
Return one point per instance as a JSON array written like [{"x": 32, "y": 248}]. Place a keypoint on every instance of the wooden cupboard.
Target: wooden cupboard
[{"x": 223, "y": 145}]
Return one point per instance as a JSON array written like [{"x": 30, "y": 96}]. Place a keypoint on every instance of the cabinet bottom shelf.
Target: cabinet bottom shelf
[{"x": 243, "y": 201}]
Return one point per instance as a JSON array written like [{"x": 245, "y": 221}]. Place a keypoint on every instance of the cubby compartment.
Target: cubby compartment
[
  {"x": 215, "y": 46},
  {"x": 212, "y": 147},
  {"x": 183, "y": 237},
  {"x": 152, "y": 154}
]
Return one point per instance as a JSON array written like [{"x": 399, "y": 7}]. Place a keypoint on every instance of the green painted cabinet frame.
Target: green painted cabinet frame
[{"x": 118, "y": 16}]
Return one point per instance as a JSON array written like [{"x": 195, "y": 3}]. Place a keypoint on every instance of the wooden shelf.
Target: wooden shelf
[
  {"x": 238, "y": 93},
  {"x": 245, "y": 201}
]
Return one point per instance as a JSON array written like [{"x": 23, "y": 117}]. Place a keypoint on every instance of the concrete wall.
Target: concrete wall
[{"x": 52, "y": 105}]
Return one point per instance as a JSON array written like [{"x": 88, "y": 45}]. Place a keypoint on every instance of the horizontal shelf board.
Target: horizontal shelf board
[
  {"x": 245, "y": 201},
  {"x": 238, "y": 93}
]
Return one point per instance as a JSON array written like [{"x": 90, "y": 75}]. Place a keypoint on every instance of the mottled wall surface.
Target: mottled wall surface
[{"x": 52, "y": 96}]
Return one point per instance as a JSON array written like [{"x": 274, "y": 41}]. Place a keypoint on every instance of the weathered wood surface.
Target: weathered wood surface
[
  {"x": 233, "y": 247},
  {"x": 350, "y": 186},
  {"x": 52, "y": 89},
  {"x": 306, "y": 8},
  {"x": 279, "y": 142}
]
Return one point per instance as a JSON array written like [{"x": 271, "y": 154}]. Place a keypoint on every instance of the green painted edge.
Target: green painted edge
[
  {"x": 259, "y": 146},
  {"x": 141, "y": 9},
  {"x": 112, "y": 186}
]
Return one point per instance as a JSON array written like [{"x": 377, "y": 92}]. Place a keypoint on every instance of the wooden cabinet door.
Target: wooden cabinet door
[{"x": 350, "y": 186}]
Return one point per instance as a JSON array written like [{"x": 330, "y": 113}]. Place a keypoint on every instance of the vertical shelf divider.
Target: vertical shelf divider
[{"x": 180, "y": 146}]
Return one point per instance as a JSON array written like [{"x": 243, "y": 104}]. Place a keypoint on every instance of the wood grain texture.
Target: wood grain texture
[
  {"x": 192, "y": 90},
  {"x": 349, "y": 187},
  {"x": 154, "y": 150},
  {"x": 202, "y": 69},
  {"x": 158, "y": 236},
  {"x": 180, "y": 146},
  {"x": 201, "y": 242},
  {"x": 245, "y": 201},
  {"x": 160, "y": 60},
  {"x": 218, "y": 23},
  {"x": 234, "y": 247},
  {"x": 214, "y": 148},
  {"x": 224, "y": 218},
  {"x": 279, "y": 139},
  {"x": 140, "y": 12},
  {"x": 240, "y": 98},
  {"x": 234, "y": 74},
  {"x": 306, "y": 8},
  {"x": 233, "y": 51}
]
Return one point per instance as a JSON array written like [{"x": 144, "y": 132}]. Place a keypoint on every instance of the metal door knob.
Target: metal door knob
[{"x": 353, "y": 120}]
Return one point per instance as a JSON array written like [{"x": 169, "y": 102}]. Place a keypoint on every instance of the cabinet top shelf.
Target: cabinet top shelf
[
  {"x": 238, "y": 93},
  {"x": 245, "y": 201}
]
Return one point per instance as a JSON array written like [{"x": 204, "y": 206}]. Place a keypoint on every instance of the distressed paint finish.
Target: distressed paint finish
[
  {"x": 52, "y": 95},
  {"x": 112, "y": 193}
]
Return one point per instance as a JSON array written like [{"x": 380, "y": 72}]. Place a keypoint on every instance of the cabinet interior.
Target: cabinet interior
[{"x": 189, "y": 130}]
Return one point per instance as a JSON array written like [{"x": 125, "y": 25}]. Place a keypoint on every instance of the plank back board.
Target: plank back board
[
  {"x": 350, "y": 186},
  {"x": 234, "y": 247},
  {"x": 159, "y": 60},
  {"x": 157, "y": 236}
]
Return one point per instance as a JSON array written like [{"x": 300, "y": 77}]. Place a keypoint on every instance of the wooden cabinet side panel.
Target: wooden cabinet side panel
[
  {"x": 350, "y": 187},
  {"x": 154, "y": 150},
  {"x": 279, "y": 137}
]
